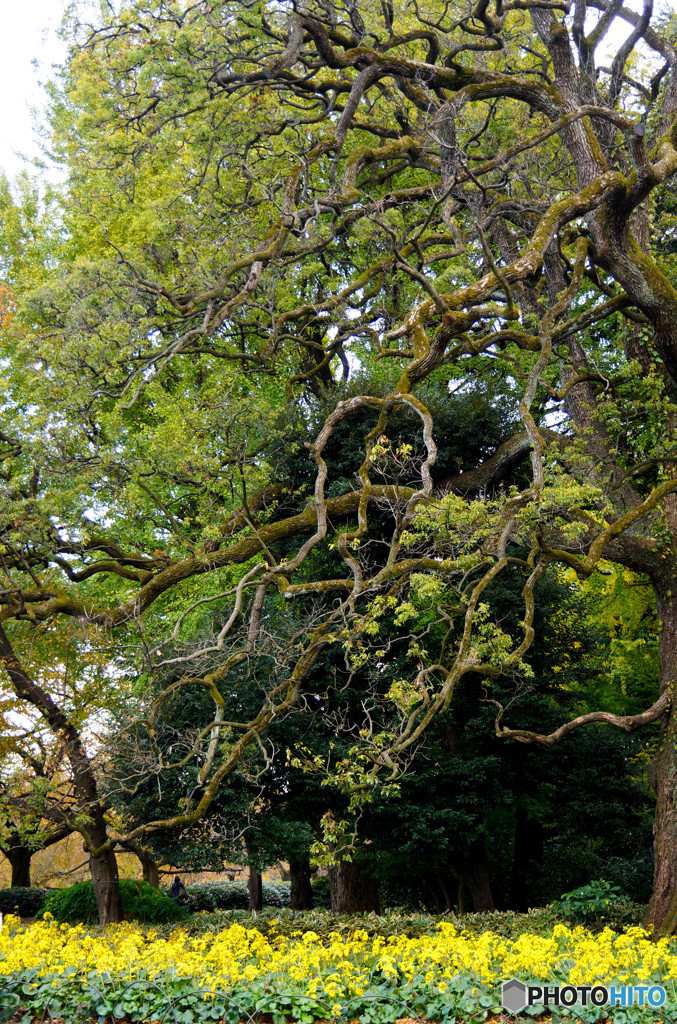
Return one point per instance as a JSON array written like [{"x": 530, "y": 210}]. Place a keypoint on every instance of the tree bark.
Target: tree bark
[
  {"x": 19, "y": 854},
  {"x": 19, "y": 857},
  {"x": 353, "y": 890},
  {"x": 151, "y": 872},
  {"x": 284, "y": 874},
  {"x": 661, "y": 913},
  {"x": 301, "y": 897},
  {"x": 462, "y": 897},
  {"x": 105, "y": 879},
  {"x": 255, "y": 886},
  {"x": 149, "y": 866}
]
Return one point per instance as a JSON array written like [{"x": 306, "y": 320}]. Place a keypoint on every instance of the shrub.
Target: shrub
[
  {"x": 201, "y": 895},
  {"x": 633, "y": 875},
  {"x": 276, "y": 894},
  {"x": 321, "y": 894},
  {"x": 23, "y": 901},
  {"x": 218, "y": 895},
  {"x": 229, "y": 895},
  {"x": 140, "y": 901},
  {"x": 235, "y": 895},
  {"x": 291, "y": 923},
  {"x": 597, "y": 900},
  {"x": 411, "y": 895}
]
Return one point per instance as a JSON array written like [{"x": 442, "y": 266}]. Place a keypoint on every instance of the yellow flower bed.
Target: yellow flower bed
[
  {"x": 340, "y": 968},
  {"x": 341, "y": 965}
]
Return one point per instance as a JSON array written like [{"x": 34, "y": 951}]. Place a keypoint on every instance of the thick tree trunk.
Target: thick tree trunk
[
  {"x": 149, "y": 866},
  {"x": 662, "y": 910},
  {"x": 353, "y": 890},
  {"x": 301, "y": 897},
  {"x": 480, "y": 888},
  {"x": 106, "y": 884},
  {"x": 255, "y": 887},
  {"x": 432, "y": 882},
  {"x": 19, "y": 856}
]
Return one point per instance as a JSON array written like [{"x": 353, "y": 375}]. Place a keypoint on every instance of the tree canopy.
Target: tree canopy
[{"x": 341, "y": 313}]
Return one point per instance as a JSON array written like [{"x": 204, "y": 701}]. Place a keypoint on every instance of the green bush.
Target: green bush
[
  {"x": 201, "y": 895},
  {"x": 23, "y": 901},
  {"x": 217, "y": 895},
  {"x": 596, "y": 901},
  {"x": 276, "y": 894},
  {"x": 140, "y": 901},
  {"x": 321, "y": 894},
  {"x": 633, "y": 875},
  {"x": 234, "y": 895},
  {"x": 229, "y": 895},
  {"x": 412, "y": 895}
]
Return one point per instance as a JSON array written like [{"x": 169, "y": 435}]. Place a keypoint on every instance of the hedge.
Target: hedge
[
  {"x": 23, "y": 901},
  {"x": 140, "y": 901},
  {"x": 234, "y": 895}
]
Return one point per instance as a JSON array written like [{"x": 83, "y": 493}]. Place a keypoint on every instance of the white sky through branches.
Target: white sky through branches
[{"x": 29, "y": 34}]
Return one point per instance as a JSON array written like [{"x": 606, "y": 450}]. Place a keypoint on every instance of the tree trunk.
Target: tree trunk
[
  {"x": 255, "y": 887},
  {"x": 353, "y": 890},
  {"x": 301, "y": 897},
  {"x": 104, "y": 868},
  {"x": 480, "y": 888},
  {"x": 462, "y": 897},
  {"x": 661, "y": 913},
  {"x": 149, "y": 867},
  {"x": 19, "y": 856},
  {"x": 106, "y": 884},
  {"x": 284, "y": 874},
  {"x": 432, "y": 883}
]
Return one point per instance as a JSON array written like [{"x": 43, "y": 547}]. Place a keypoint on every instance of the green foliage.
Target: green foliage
[
  {"x": 391, "y": 923},
  {"x": 140, "y": 901},
  {"x": 321, "y": 893},
  {"x": 26, "y": 902},
  {"x": 233, "y": 895},
  {"x": 598, "y": 900},
  {"x": 179, "y": 309}
]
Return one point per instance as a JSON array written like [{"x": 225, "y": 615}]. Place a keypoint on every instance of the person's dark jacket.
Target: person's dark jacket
[{"x": 178, "y": 888}]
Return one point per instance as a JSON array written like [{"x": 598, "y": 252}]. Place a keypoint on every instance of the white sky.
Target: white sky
[{"x": 28, "y": 34}]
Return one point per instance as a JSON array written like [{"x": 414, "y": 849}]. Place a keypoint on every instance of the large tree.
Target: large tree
[{"x": 260, "y": 198}]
